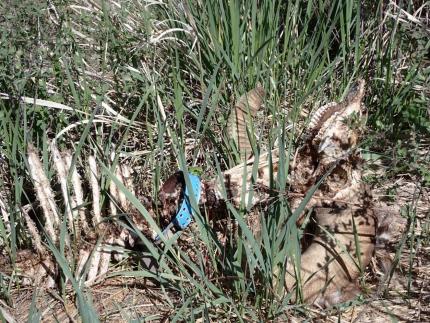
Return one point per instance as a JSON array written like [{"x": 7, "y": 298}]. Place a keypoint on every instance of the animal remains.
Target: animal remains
[{"x": 327, "y": 161}]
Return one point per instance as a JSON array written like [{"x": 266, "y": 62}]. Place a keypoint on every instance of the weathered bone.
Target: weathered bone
[
  {"x": 44, "y": 192},
  {"x": 42, "y": 270},
  {"x": 62, "y": 171},
  {"x": 95, "y": 189},
  {"x": 78, "y": 192},
  {"x": 321, "y": 115},
  {"x": 32, "y": 229}
]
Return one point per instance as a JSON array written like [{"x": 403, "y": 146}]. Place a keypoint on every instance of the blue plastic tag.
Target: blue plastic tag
[
  {"x": 185, "y": 213},
  {"x": 184, "y": 216}
]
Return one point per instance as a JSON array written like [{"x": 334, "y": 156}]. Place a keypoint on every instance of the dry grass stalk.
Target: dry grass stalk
[
  {"x": 128, "y": 181},
  {"x": 162, "y": 112},
  {"x": 113, "y": 191}
]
